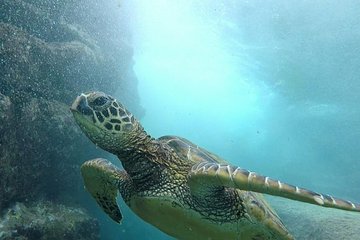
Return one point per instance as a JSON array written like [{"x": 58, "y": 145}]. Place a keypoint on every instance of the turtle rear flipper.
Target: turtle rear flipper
[
  {"x": 102, "y": 180},
  {"x": 213, "y": 174}
]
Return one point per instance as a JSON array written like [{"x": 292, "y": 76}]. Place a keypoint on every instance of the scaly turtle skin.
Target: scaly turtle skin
[{"x": 180, "y": 188}]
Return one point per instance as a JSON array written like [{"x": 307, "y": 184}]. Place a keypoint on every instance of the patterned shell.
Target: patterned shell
[
  {"x": 190, "y": 151},
  {"x": 196, "y": 154}
]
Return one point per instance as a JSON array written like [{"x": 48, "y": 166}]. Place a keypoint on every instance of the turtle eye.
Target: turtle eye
[{"x": 100, "y": 101}]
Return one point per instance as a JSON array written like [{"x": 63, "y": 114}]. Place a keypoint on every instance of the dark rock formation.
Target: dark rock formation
[
  {"x": 42, "y": 152},
  {"x": 46, "y": 60},
  {"x": 35, "y": 20},
  {"x": 8, "y": 168},
  {"x": 45, "y": 221},
  {"x": 56, "y": 49},
  {"x": 32, "y": 68}
]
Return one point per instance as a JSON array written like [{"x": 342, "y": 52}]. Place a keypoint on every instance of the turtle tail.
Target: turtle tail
[
  {"x": 236, "y": 177},
  {"x": 102, "y": 180}
]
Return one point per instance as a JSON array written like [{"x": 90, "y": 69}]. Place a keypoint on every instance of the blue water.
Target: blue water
[{"x": 271, "y": 86}]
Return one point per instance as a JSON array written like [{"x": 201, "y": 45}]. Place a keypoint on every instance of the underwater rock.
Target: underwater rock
[
  {"x": 44, "y": 63},
  {"x": 42, "y": 55},
  {"x": 31, "y": 67},
  {"x": 5, "y": 112},
  {"x": 8, "y": 146},
  {"x": 45, "y": 221},
  {"x": 35, "y": 20},
  {"x": 306, "y": 221},
  {"x": 41, "y": 156}
]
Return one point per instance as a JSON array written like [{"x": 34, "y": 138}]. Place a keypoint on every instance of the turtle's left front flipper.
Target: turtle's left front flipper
[
  {"x": 213, "y": 174},
  {"x": 103, "y": 180}
]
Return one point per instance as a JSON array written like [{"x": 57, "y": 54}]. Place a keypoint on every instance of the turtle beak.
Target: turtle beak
[{"x": 80, "y": 105}]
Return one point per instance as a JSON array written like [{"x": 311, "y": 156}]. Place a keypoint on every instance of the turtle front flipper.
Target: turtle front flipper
[
  {"x": 103, "y": 180},
  {"x": 213, "y": 174}
]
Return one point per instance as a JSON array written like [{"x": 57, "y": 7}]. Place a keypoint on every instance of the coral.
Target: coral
[{"x": 47, "y": 221}]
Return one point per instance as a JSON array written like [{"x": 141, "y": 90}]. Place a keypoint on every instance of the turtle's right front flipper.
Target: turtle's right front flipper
[
  {"x": 103, "y": 180},
  {"x": 214, "y": 174}
]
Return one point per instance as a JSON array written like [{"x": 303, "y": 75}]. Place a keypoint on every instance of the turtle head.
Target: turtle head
[{"x": 104, "y": 120}]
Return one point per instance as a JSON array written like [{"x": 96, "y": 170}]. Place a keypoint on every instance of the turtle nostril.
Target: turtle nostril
[{"x": 83, "y": 107}]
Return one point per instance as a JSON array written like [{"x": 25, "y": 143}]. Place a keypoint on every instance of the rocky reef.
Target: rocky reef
[
  {"x": 46, "y": 221},
  {"x": 48, "y": 55}
]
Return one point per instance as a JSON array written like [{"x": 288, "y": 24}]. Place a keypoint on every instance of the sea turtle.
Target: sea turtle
[{"x": 180, "y": 188}]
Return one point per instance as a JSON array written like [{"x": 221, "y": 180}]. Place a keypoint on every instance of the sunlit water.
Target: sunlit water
[{"x": 270, "y": 86}]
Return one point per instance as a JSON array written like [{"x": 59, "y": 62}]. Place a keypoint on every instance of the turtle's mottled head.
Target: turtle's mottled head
[{"x": 105, "y": 121}]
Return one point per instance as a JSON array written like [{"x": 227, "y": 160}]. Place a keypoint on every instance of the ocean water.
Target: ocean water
[{"x": 270, "y": 86}]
